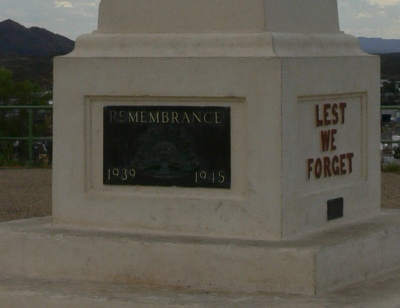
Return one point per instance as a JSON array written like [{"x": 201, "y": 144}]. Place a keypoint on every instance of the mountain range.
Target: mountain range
[
  {"x": 16, "y": 39},
  {"x": 379, "y": 45}
]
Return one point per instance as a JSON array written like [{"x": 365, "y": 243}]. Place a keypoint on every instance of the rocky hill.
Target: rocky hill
[
  {"x": 16, "y": 39},
  {"x": 29, "y": 53}
]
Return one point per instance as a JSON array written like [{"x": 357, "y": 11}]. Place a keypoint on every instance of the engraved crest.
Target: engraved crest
[{"x": 166, "y": 153}]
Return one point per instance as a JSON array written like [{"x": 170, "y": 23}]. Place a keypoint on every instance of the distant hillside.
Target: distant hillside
[
  {"x": 379, "y": 45},
  {"x": 17, "y": 40},
  {"x": 29, "y": 53},
  {"x": 38, "y": 70}
]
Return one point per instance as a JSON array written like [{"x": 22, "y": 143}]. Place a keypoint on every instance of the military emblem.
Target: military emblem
[{"x": 166, "y": 153}]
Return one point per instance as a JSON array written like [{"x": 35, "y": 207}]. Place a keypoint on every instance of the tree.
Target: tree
[
  {"x": 6, "y": 86},
  {"x": 20, "y": 93},
  {"x": 390, "y": 87}
]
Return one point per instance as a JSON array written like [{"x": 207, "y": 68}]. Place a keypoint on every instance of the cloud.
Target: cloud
[
  {"x": 370, "y": 18},
  {"x": 63, "y": 4},
  {"x": 384, "y": 3},
  {"x": 364, "y": 15}
]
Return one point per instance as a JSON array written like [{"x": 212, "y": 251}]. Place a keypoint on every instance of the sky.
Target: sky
[{"x": 369, "y": 18}]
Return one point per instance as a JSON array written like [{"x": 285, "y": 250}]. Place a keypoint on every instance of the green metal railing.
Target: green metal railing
[{"x": 30, "y": 138}]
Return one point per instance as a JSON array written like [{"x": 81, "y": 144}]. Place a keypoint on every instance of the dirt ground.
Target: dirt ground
[
  {"x": 26, "y": 193},
  {"x": 391, "y": 190}
]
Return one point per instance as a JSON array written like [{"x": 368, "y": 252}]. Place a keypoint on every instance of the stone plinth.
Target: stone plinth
[{"x": 273, "y": 72}]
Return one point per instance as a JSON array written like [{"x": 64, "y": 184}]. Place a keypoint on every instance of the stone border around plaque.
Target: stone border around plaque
[{"x": 147, "y": 143}]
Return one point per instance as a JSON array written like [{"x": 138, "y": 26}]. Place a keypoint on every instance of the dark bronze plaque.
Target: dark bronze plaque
[
  {"x": 335, "y": 208},
  {"x": 167, "y": 146}
]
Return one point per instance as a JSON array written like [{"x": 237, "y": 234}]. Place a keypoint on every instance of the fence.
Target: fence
[{"x": 30, "y": 137}]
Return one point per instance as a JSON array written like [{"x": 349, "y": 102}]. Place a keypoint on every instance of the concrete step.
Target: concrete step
[
  {"x": 310, "y": 265},
  {"x": 380, "y": 291}
]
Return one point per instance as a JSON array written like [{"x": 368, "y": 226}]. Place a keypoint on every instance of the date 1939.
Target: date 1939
[
  {"x": 121, "y": 174},
  {"x": 200, "y": 177}
]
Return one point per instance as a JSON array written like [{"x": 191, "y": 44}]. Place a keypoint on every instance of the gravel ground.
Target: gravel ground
[
  {"x": 391, "y": 190},
  {"x": 26, "y": 193}
]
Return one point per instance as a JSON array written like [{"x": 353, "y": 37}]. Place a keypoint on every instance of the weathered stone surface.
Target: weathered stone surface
[
  {"x": 312, "y": 264},
  {"x": 381, "y": 291},
  {"x": 218, "y": 16}
]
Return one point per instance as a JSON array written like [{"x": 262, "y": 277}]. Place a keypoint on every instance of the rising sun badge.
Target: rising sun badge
[{"x": 166, "y": 153}]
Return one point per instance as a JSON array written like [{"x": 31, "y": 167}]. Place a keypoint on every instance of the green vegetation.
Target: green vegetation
[
  {"x": 390, "y": 66},
  {"x": 390, "y": 72},
  {"x": 15, "y": 122},
  {"x": 21, "y": 92},
  {"x": 390, "y": 167},
  {"x": 38, "y": 70},
  {"x": 390, "y": 87}
]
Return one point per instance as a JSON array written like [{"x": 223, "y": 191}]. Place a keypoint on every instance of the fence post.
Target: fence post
[{"x": 30, "y": 138}]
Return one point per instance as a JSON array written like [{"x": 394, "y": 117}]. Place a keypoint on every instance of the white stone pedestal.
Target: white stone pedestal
[
  {"x": 302, "y": 213},
  {"x": 278, "y": 75}
]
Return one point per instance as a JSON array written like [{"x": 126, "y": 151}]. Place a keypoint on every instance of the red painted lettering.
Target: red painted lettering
[
  {"x": 342, "y": 164},
  {"x": 327, "y": 166},
  {"x": 328, "y": 140},
  {"x": 325, "y": 140},
  {"x": 332, "y": 114},
  {"x": 350, "y": 157},
  {"x": 335, "y": 167},
  {"x": 342, "y": 107},
  {"x": 335, "y": 115},
  {"x": 333, "y": 139},
  {"x": 318, "y": 168},
  {"x": 309, "y": 167},
  {"x": 327, "y": 107}
]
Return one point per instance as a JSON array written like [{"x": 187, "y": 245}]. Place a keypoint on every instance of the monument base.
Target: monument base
[
  {"x": 306, "y": 265},
  {"x": 380, "y": 291}
]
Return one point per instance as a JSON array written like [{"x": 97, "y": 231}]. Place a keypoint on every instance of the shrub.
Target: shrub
[{"x": 390, "y": 167}]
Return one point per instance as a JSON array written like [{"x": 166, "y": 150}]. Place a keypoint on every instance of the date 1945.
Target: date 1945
[
  {"x": 210, "y": 177},
  {"x": 200, "y": 177}
]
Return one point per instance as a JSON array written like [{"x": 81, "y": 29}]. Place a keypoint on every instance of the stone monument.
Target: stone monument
[{"x": 221, "y": 144}]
